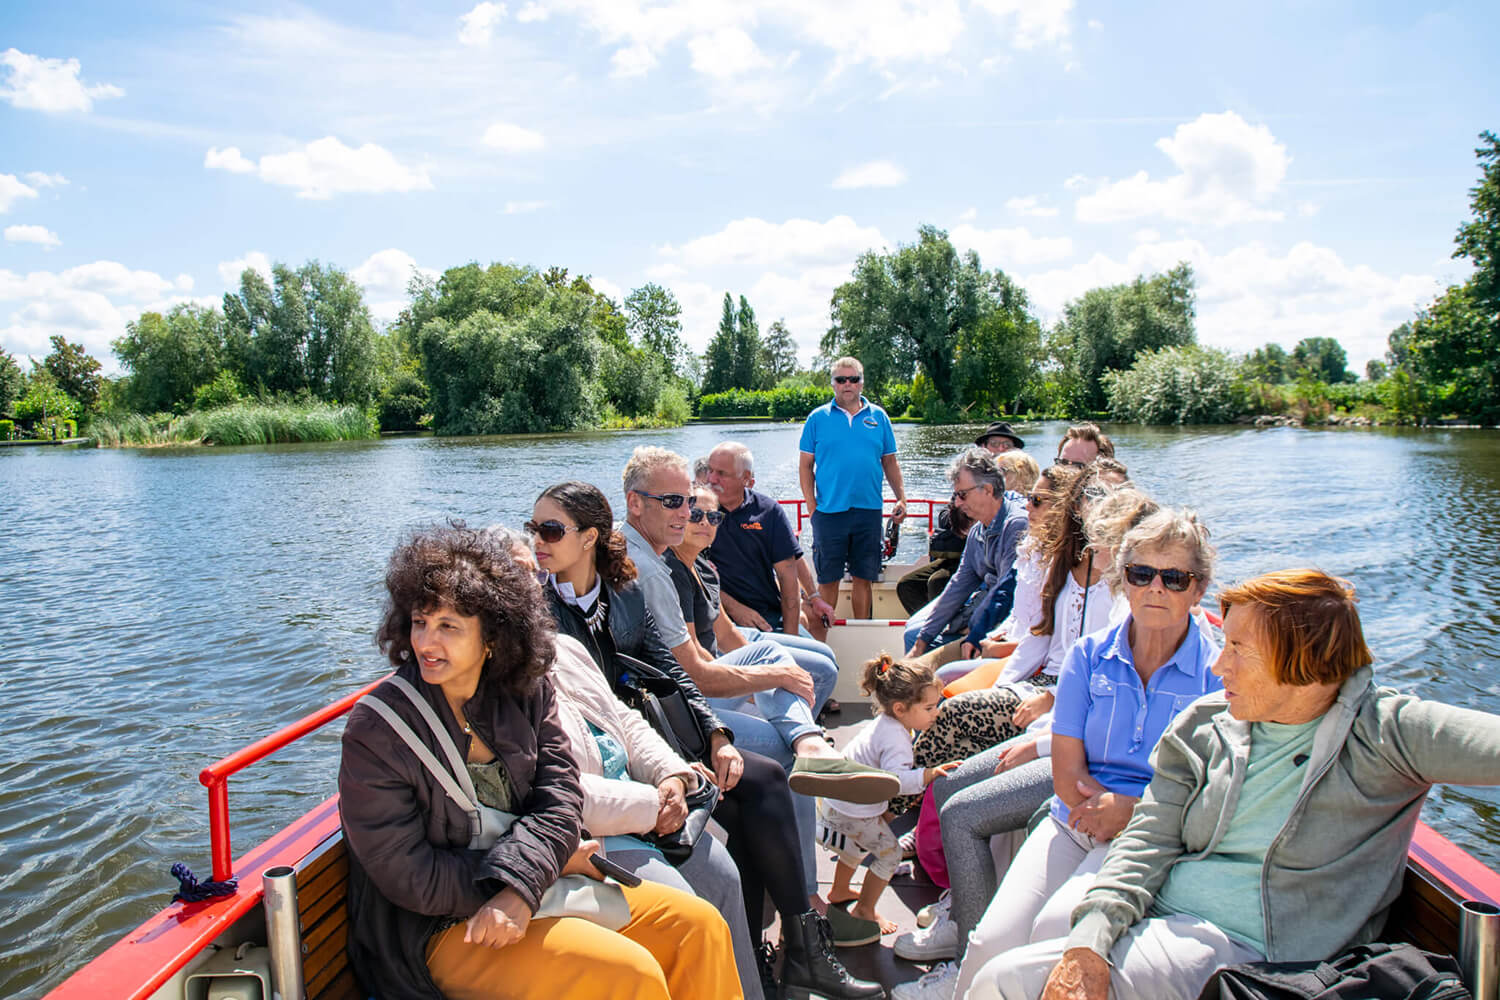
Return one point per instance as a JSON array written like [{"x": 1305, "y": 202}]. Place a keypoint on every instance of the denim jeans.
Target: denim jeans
[
  {"x": 915, "y": 623},
  {"x": 814, "y": 657}
]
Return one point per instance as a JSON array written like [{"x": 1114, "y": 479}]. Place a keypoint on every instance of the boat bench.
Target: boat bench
[{"x": 322, "y": 888}]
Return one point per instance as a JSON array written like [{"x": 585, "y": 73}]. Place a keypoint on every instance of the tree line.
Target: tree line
[{"x": 509, "y": 348}]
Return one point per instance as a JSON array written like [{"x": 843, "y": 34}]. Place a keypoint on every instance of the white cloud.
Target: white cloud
[
  {"x": 477, "y": 27},
  {"x": 89, "y": 304},
  {"x": 1147, "y": 235},
  {"x": 969, "y": 214},
  {"x": 756, "y": 243},
  {"x": 879, "y": 173},
  {"x": 385, "y": 276},
  {"x": 1251, "y": 295},
  {"x": 513, "y": 138},
  {"x": 12, "y": 191},
  {"x": 1095, "y": 24},
  {"x": 326, "y": 167},
  {"x": 531, "y": 12},
  {"x": 229, "y": 158},
  {"x": 725, "y": 53},
  {"x": 1010, "y": 249},
  {"x": 632, "y": 60},
  {"x": 607, "y": 288},
  {"x": 32, "y": 234},
  {"x": 42, "y": 84},
  {"x": 1030, "y": 205},
  {"x": 1076, "y": 182},
  {"x": 38, "y": 179},
  {"x": 1228, "y": 171},
  {"x": 1033, "y": 22},
  {"x": 230, "y": 270},
  {"x": 525, "y": 207}
]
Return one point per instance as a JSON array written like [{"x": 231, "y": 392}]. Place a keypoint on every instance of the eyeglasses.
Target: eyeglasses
[
  {"x": 1176, "y": 580},
  {"x": 671, "y": 501},
  {"x": 1071, "y": 463},
  {"x": 1035, "y": 499},
  {"x": 960, "y": 494},
  {"x": 550, "y": 532},
  {"x": 843, "y": 379},
  {"x": 714, "y": 517}
]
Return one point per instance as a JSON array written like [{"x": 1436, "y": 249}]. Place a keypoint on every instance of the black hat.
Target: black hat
[{"x": 999, "y": 429}]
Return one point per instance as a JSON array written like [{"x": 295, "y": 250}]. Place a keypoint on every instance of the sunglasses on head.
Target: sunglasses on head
[
  {"x": 671, "y": 501},
  {"x": 549, "y": 531},
  {"x": 714, "y": 517},
  {"x": 844, "y": 379},
  {"x": 1177, "y": 580}
]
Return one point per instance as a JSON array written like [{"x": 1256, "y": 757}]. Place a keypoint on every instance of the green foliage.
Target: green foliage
[
  {"x": 224, "y": 390},
  {"x": 998, "y": 356},
  {"x": 244, "y": 423},
  {"x": 631, "y": 379},
  {"x": 12, "y": 382},
  {"x": 735, "y": 403},
  {"x": 654, "y": 322},
  {"x": 75, "y": 371},
  {"x": 789, "y": 403},
  {"x": 1375, "y": 370},
  {"x": 7, "y": 430},
  {"x": 1320, "y": 358},
  {"x": 733, "y": 359},
  {"x": 896, "y": 399},
  {"x": 1267, "y": 364},
  {"x": 778, "y": 354},
  {"x": 672, "y": 406},
  {"x": 43, "y": 399},
  {"x": 1108, "y": 327},
  {"x": 170, "y": 356},
  {"x": 1177, "y": 385},
  {"x": 403, "y": 402}
]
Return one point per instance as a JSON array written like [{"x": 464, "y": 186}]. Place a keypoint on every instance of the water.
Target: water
[{"x": 172, "y": 605}]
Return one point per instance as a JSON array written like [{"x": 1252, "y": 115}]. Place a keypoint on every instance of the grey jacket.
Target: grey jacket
[
  {"x": 989, "y": 555},
  {"x": 1338, "y": 862}
]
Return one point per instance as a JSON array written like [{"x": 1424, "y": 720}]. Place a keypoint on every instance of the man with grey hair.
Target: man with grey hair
[
  {"x": 988, "y": 562},
  {"x": 846, "y": 444}
]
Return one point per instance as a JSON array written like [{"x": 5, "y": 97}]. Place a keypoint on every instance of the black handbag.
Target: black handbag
[
  {"x": 678, "y": 845},
  {"x": 1364, "y": 972},
  {"x": 655, "y": 694}
]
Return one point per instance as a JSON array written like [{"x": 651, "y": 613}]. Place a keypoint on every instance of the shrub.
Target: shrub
[
  {"x": 672, "y": 406},
  {"x": 243, "y": 423},
  {"x": 224, "y": 390},
  {"x": 7, "y": 430},
  {"x": 896, "y": 399},
  {"x": 403, "y": 402},
  {"x": 736, "y": 403},
  {"x": 1177, "y": 385},
  {"x": 796, "y": 404}
]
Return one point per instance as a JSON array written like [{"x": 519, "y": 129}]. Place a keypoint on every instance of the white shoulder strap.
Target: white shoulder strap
[
  {"x": 467, "y": 802},
  {"x": 455, "y": 759}
]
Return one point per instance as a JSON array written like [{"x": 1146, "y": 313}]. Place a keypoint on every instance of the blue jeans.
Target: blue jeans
[
  {"x": 916, "y": 622},
  {"x": 770, "y": 723},
  {"x": 814, "y": 657}
]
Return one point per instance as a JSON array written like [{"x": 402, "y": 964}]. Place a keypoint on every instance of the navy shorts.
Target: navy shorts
[{"x": 849, "y": 539}]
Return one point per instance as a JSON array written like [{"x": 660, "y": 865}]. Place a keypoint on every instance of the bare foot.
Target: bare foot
[
  {"x": 840, "y": 900},
  {"x": 819, "y": 904},
  {"x": 886, "y": 926}
]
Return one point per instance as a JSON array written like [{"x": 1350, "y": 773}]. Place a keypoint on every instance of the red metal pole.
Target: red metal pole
[{"x": 218, "y": 829}]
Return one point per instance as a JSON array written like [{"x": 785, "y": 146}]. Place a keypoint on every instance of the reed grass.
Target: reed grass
[{"x": 243, "y": 423}]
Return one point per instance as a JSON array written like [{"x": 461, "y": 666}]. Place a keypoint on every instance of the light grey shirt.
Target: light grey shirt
[{"x": 655, "y": 581}]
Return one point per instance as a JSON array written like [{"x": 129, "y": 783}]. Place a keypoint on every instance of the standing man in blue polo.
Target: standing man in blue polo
[{"x": 846, "y": 445}]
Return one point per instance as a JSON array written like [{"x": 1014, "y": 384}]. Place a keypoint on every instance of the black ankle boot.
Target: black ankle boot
[
  {"x": 811, "y": 969},
  {"x": 765, "y": 959}
]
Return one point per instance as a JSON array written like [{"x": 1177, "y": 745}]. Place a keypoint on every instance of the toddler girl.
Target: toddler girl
[{"x": 906, "y": 694}]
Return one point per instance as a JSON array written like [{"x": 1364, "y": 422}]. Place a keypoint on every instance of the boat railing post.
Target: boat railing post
[
  {"x": 1479, "y": 948},
  {"x": 283, "y": 932}
]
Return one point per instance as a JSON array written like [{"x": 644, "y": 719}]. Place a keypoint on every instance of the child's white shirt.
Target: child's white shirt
[{"x": 884, "y": 743}]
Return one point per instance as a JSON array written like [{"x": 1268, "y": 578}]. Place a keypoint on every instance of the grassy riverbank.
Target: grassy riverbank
[{"x": 242, "y": 423}]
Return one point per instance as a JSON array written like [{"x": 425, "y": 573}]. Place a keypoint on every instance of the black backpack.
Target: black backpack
[{"x": 1366, "y": 972}]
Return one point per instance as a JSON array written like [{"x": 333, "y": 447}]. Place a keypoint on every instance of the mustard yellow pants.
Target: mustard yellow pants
[{"x": 675, "y": 946}]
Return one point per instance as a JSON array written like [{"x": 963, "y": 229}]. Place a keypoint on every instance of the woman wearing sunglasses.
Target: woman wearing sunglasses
[
  {"x": 594, "y": 598},
  {"x": 1116, "y": 694}
]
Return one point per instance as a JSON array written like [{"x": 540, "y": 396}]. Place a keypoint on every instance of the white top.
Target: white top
[
  {"x": 1026, "y": 608},
  {"x": 884, "y": 743},
  {"x": 1047, "y": 651}
]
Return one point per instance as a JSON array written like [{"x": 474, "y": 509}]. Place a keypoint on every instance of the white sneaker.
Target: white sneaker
[
  {"x": 937, "y": 940},
  {"x": 935, "y": 909},
  {"x": 936, "y": 985}
]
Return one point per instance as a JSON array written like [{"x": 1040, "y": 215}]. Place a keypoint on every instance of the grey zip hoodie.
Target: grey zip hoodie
[{"x": 1337, "y": 864}]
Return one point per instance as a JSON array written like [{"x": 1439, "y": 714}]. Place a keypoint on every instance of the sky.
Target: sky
[{"x": 1311, "y": 160}]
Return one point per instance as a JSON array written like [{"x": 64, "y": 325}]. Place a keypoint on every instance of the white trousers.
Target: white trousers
[{"x": 1160, "y": 958}]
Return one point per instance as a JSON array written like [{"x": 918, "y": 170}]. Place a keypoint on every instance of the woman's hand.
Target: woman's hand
[
  {"x": 728, "y": 764},
  {"x": 579, "y": 863},
  {"x": 502, "y": 920},
  {"x": 672, "y": 808},
  {"x": 1033, "y": 708},
  {"x": 1101, "y": 815},
  {"x": 996, "y": 649},
  {"x": 1015, "y": 755},
  {"x": 1080, "y": 975}
]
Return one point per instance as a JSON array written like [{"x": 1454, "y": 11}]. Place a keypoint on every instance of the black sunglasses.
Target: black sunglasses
[
  {"x": 671, "y": 501},
  {"x": 960, "y": 494},
  {"x": 1070, "y": 463},
  {"x": 1035, "y": 499},
  {"x": 843, "y": 379},
  {"x": 1176, "y": 580},
  {"x": 549, "y": 531},
  {"x": 715, "y": 517}
]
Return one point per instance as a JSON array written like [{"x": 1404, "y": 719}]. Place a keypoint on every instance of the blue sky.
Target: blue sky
[{"x": 1312, "y": 160}]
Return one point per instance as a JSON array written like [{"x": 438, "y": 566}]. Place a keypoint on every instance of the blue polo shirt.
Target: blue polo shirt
[
  {"x": 753, "y": 538},
  {"x": 1100, "y": 700},
  {"x": 846, "y": 453}
]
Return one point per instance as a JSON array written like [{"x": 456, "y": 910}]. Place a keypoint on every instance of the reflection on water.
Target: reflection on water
[{"x": 171, "y": 605}]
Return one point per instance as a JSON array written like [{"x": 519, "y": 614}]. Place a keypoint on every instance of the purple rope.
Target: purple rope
[{"x": 190, "y": 890}]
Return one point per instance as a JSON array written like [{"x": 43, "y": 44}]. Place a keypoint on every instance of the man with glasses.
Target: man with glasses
[
  {"x": 1082, "y": 444},
  {"x": 987, "y": 565},
  {"x": 846, "y": 445}
]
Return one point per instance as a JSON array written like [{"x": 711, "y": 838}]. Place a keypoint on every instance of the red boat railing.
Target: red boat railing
[
  {"x": 915, "y": 508},
  {"x": 215, "y": 777}
]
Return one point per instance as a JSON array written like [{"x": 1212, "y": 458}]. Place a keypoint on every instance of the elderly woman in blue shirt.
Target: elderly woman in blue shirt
[{"x": 1118, "y": 690}]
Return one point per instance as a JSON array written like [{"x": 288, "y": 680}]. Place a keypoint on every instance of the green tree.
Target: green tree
[
  {"x": 997, "y": 357},
  {"x": 75, "y": 371},
  {"x": 654, "y": 322},
  {"x": 43, "y": 398},
  {"x": 748, "y": 373},
  {"x": 1267, "y": 364},
  {"x": 719, "y": 359},
  {"x": 1106, "y": 328},
  {"x": 1322, "y": 359},
  {"x": 1177, "y": 385},
  {"x": 169, "y": 357},
  {"x": 1375, "y": 370},
  {"x": 12, "y": 382},
  {"x": 778, "y": 353}
]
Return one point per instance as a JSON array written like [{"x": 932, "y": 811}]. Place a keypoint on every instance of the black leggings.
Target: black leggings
[{"x": 757, "y": 815}]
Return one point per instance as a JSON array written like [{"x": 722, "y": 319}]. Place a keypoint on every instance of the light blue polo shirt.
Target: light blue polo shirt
[
  {"x": 846, "y": 453},
  {"x": 1100, "y": 700}
]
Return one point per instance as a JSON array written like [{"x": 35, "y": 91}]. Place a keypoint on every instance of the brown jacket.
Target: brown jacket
[{"x": 411, "y": 872}]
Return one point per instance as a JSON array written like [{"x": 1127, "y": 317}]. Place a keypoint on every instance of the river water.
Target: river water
[{"x": 172, "y": 605}]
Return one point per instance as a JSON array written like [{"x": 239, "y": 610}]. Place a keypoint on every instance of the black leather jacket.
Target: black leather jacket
[{"x": 632, "y": 632}]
